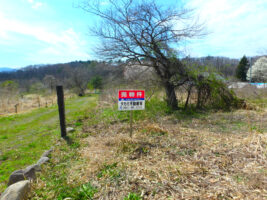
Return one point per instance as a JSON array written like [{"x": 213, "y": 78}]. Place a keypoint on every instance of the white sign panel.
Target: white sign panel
[{"x": 131, "y": 100}]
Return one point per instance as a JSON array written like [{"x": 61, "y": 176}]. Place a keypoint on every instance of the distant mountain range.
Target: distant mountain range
[
  {"x": 6, "y": 69},
  {"x": 63, "y": 71}
]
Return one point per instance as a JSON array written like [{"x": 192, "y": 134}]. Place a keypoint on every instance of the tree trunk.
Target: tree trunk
[
  {"x": 188, "y": 96},
  {"x": 171, "y": 96},
  {"x": 199, "y": 98}
]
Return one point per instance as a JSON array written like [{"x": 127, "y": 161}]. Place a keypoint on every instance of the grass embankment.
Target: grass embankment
[
  {"x": 24, "y": 137},
  {"x": 176, "y": 155}
]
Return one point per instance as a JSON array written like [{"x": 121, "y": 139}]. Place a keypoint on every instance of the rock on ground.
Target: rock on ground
[
  {"x": 17, "y": 191},
  {"x": 29, "y": 172},
  {"x": 36, "y": 167},
  {"x": 19, "y": 175},
  {"x": 70, "y": 129},
  {"x": 42, "y": 160},
  {"x": 47, "y": 153},
  {"x": 16, "y": 176}
]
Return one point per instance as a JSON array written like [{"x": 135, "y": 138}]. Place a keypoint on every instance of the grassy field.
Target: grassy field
[
  {"x": 172, "y": 155},
  {"x": 24, "y": 137},
  {"x": 27, "y": 102}
]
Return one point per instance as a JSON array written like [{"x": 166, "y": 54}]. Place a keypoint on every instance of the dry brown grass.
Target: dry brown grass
[
  {"x": 27, "y": 103},
  {"x": 220, "y": 155},
  {"x": 251, "y": 92},
  {"x": 166, "y": 160}
]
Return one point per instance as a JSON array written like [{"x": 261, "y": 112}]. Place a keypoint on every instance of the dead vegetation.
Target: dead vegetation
[
  {"x": 166, "y": 160},
  {"x": 24, "y": 103},
  {"x": 205, "y": 156}
]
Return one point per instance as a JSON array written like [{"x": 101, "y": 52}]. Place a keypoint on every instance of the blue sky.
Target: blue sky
[{"x": 56, "y": 31}]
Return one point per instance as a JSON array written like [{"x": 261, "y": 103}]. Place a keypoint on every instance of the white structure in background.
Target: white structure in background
[
  {"x": 238, "y": 85},
  {"x": 244, "y": 84},
  {"x": 259, "y": 71}
]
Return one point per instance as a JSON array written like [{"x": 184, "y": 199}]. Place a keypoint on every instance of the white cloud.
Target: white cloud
[
  {"x": 68, "y": 46},
  {"x": 236, "y": 27},
  {"x": 3, "y": 31},
  {"x": 35, "y": 4},
  {"x": 56, "y": 45}
]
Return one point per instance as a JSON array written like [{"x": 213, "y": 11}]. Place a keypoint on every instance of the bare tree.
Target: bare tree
[
  {"x": 8, "y": 90},
  {"x": 50, "y": 81},
  {"x": 79, "y": 80},
  {"x": 147, "y": 33}
]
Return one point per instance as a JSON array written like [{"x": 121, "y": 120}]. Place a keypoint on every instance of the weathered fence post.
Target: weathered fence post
[{"x": 61, "y": 110}]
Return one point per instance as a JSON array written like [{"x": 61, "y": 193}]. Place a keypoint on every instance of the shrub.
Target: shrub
[{"x": 214, "y": 93}]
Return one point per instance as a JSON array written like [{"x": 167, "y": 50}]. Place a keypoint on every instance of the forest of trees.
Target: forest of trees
[
  {"x": 65, "y": 73},
  {"x": 74, "y": 75},
  {"x": 79, "y": 73},
  {"x": 223, "y": 65}
]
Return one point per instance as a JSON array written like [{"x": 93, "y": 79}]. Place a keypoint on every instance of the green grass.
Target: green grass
[
  {"x": 65, "y": 175},
  {"x": 217, "y": 121},
  {"x": 109, "y": 171},
  {"x": 132, "y": 196},
  {"x": 55, "y": 175},
  {"x": 154, "y": 109},
  {"x": 24, "y": 137}
]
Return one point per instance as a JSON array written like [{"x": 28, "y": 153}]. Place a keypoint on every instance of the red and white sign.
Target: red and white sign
[{"x": 131, "y": 100}]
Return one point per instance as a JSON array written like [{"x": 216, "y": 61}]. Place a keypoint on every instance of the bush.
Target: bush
[{"x": 214, "y": 93}]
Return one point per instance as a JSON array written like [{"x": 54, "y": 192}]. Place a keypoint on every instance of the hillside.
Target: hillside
[
  {"x": 60, "y": 71},
  {"x": 225, "y": 66},
  {"x": 74, "y": 76},
  {"x": 103, "y": 68}
]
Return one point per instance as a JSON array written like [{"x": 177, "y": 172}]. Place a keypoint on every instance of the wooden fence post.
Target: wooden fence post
[{"x": 61, "y": 110}]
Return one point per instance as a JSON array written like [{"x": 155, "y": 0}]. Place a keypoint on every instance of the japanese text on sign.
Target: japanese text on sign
[{"x": 131, "y": 100}]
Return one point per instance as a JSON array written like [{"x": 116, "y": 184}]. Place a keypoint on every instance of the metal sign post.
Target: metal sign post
[
  {"x": 131, "y": 123},
  {"x": 131, "y": 100}
]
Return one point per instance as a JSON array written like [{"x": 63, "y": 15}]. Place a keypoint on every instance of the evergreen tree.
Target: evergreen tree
[
  {"x": 242, "y": 68},
  {"x": 96, "y": 82}
]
